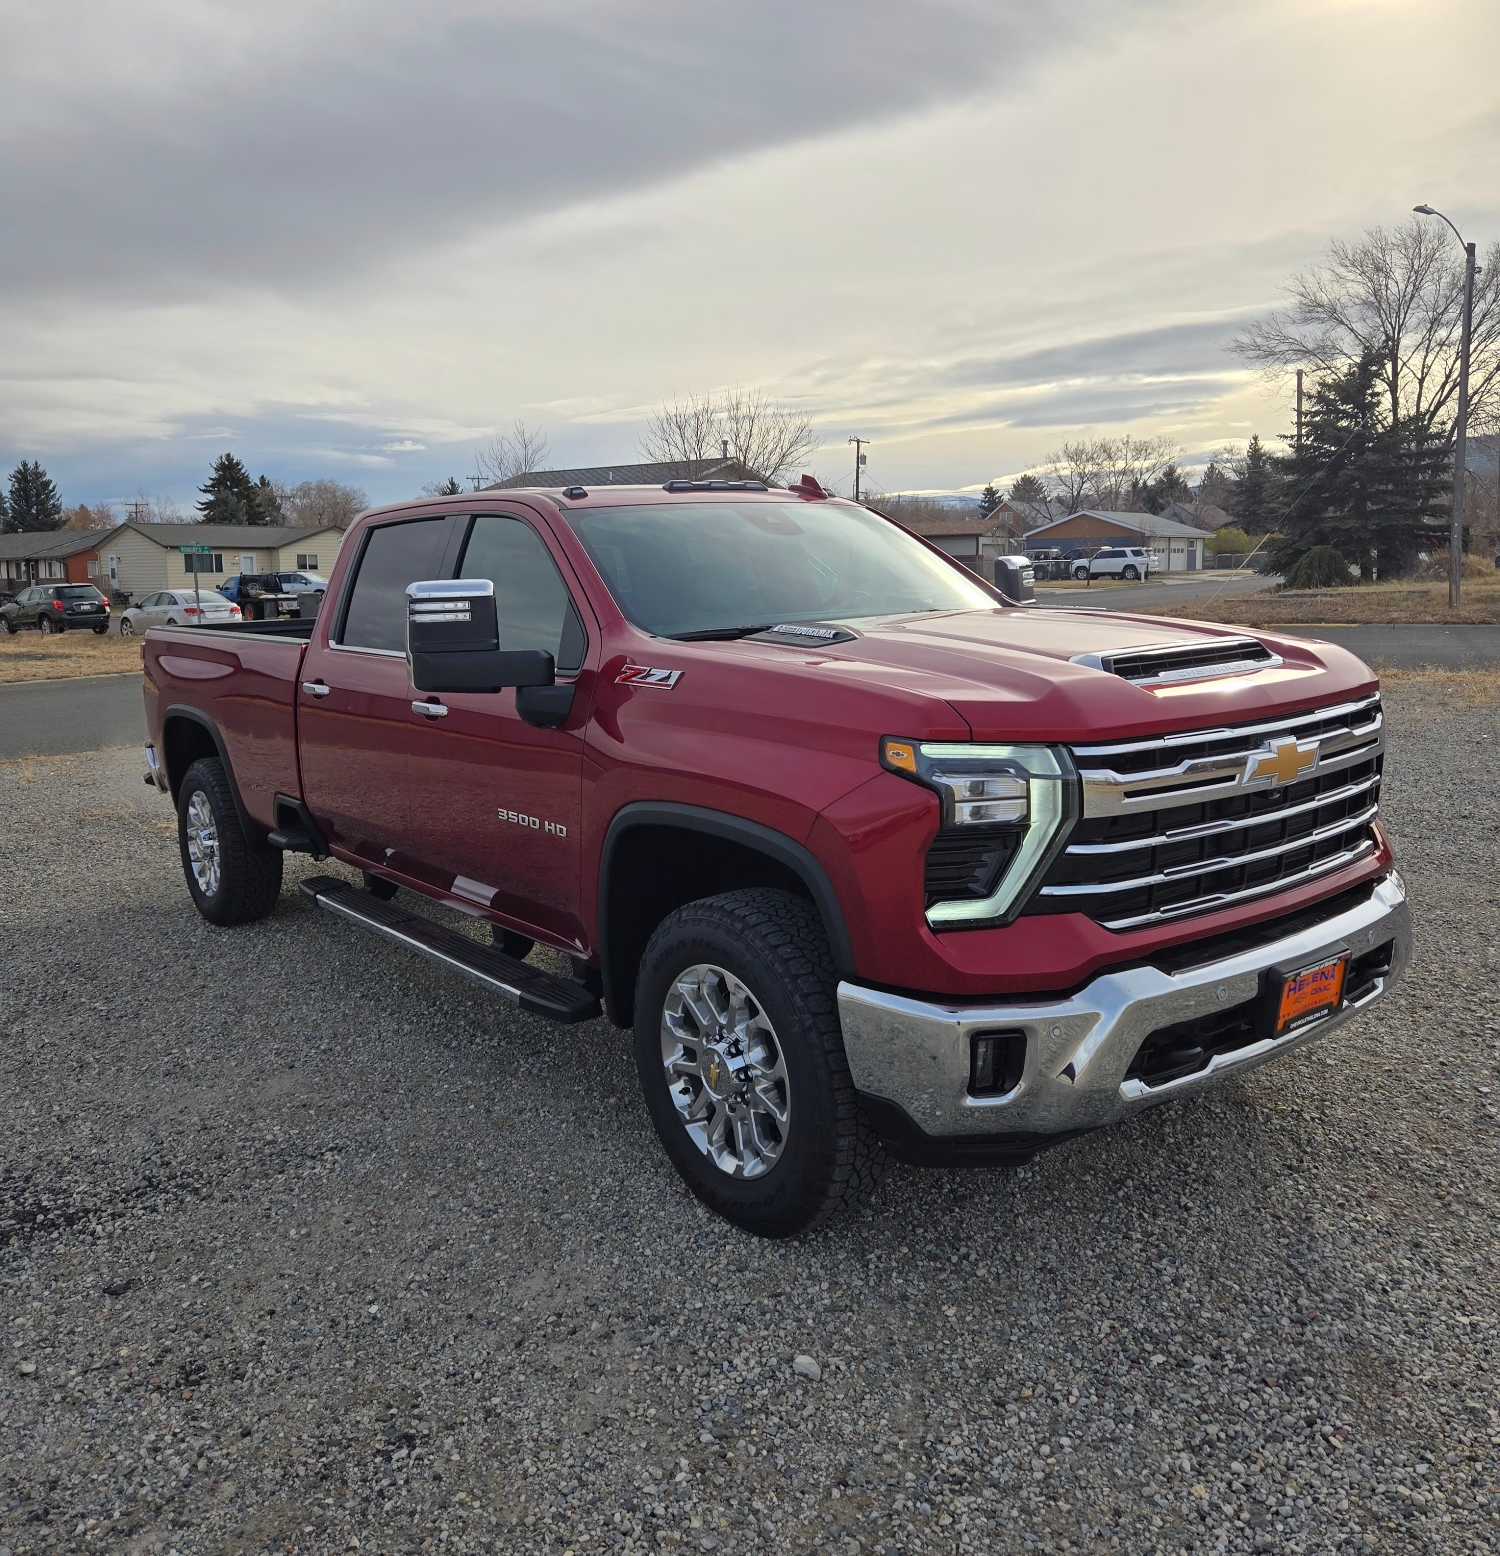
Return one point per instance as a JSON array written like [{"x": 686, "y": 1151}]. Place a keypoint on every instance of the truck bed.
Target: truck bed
[{"x": 240, "y": 679}]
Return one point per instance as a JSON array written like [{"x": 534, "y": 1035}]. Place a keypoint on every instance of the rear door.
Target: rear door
[
  {"x": 496, "y": 800},
  {"x": 356, "y": 726}
]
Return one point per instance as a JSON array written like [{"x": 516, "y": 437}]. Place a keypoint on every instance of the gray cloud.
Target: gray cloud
[{"x": 314, "y": 155}]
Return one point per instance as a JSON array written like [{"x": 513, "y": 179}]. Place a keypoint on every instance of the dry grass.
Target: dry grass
[
  {"x": 1444, "y": 688},
  {"x": 1405, "y": 603},
  {"x": 28, "y": 656},
  {"x": 1079, "y": 583}
]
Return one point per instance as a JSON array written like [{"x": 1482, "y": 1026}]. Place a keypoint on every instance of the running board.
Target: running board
[{"x": 540, "y": 993}]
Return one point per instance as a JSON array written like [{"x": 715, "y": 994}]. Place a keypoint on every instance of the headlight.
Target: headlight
[{"x": 1025, "y": 799}]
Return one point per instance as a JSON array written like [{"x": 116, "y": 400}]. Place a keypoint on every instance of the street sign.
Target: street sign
[{"x": 194, "y": 550}]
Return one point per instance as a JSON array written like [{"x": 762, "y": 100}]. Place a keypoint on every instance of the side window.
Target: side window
[
  {"x": 533, "y": 603},
  {"x": 395, "y": 555}
]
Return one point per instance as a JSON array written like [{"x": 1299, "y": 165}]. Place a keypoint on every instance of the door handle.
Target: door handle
[
  {"x": 430, "y": 710},
  {"x": 316, "y": 688}
]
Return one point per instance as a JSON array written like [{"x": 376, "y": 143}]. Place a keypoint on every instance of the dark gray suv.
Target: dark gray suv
[{"x": 56, "y": 607}]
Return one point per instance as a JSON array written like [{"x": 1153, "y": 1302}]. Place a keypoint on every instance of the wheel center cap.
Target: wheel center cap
[{"x": 721, "y": 1069}]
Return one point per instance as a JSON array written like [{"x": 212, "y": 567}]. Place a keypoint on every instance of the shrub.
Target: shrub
[
  {"x": 1230, "y": 538},
  {"x": 1436, "y": 567},
  {"x": 1320, "y": 568}
]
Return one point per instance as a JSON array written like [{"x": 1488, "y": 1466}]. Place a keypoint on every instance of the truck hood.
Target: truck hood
[{"x": 1013, "y": 671}]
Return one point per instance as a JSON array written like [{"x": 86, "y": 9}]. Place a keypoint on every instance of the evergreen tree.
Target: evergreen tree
[
  {"x": 229, "y": 495},
  {"x": 1253, "y": 500},
  {"x": 266, "y": 505},
  {"x": 33, "y": 503},
  {"x": 4, "y": 513},
  {"x": 1216, "y": 485},
  {"x": 989, "y": 500},
  {"x": 1027, "y": 489},
  {"x": 1358, "y": 482},
  {"x": 1169, "y": 487},
  {"x": 449, "y": 488}
]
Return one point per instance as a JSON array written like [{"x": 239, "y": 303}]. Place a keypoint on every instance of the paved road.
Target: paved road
[
  {"x": 51, "y": 718},
  {"x": 1151, "y": 596},
  {"x": 1408, "y": 648}
]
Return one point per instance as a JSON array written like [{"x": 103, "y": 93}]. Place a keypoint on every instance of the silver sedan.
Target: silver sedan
[{"x": 178, "y": 608}]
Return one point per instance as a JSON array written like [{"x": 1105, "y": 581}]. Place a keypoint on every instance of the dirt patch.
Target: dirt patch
[
  {"x": 1407, "y": 603},
  {"x": 28, "y": 656}
]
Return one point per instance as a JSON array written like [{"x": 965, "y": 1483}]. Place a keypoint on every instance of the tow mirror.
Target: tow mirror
[
  {"x": 1015, "y": 578},
  {"x": 453, "y": 641}
]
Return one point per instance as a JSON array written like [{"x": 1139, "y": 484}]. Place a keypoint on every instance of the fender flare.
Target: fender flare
[
  {"x": 786, "y": 851},
  {"x": 194, "y": 716}
]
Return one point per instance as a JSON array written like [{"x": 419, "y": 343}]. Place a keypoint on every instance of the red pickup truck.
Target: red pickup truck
[{"x": 873, "y": 856}]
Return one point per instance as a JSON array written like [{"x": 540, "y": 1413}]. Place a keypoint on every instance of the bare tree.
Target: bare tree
[
  {"x": 1396, "y": 293},
  {"x": 322, "y": 504},
  {"x": 1108, "y": 473},
  {"x": 100, "y": 516},
  {"x": 509, "y": 454},
  {"x": 768, "y": 439}
]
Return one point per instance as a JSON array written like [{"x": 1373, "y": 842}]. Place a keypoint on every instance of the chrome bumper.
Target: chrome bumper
[{"x": 915, "y": 1053}]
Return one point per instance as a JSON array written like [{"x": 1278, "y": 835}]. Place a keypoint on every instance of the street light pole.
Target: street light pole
[{"x": 1461, "y": 430}]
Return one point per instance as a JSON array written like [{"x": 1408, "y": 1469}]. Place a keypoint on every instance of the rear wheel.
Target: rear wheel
[
  {"x": 10, "y": 626},
  {"x": 1132, "y": 573},
  {"x": 233, "y": 876},
  {"x": 100, "y": 631},
  {"x": 741, "y": 1059},
  {"x": 127, "y": 627}
]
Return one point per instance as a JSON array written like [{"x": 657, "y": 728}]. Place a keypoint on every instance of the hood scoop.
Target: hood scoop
[
  {"x": 1174, "y": 663},
  {"x": 806, "y": 634}
]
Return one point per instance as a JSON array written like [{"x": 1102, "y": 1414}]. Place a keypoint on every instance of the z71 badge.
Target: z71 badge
[{"x": 645, "y": 675}]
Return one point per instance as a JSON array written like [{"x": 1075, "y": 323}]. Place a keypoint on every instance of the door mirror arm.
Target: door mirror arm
[{"x": 545, "y": 706}]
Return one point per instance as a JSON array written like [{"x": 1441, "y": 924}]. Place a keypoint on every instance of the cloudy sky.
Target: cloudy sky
[{"x": 353, "y": 239}]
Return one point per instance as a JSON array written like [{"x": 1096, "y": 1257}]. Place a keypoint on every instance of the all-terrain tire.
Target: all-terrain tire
[
  {"x": 249, "y": 877},
  {"x": 774, "y": 943}
]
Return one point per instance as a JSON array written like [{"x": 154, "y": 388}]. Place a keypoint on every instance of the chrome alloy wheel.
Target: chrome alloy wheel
[
  {"x": 726, "y": 1073},
  {"x": 203, "y": 843}
]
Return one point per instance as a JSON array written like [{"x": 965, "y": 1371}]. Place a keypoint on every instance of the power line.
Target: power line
[{"x": 859, "y": 459}]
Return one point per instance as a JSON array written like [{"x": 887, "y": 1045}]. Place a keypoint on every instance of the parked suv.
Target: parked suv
[
  {"x": 1130, "y": 562},
  {"x": 56, "y": 607}
]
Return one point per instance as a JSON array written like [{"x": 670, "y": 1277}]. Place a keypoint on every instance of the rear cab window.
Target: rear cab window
[{"x": 394, "y": 556}]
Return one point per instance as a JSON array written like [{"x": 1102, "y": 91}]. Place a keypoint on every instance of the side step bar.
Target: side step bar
[{"x": 541, "y": 993}]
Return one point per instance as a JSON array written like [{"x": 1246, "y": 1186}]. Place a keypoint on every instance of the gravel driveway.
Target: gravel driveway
[{"x": 305, "y": 1247}]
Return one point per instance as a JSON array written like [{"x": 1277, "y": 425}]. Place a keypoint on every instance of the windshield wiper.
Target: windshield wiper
[{"x": 714, "y": 634}]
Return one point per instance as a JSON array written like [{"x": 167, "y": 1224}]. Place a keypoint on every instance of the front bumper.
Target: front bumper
[{"x": 914, "y": 1054}]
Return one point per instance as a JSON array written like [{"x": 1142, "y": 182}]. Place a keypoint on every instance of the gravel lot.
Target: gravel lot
[{"x": 304, "y": 1247}]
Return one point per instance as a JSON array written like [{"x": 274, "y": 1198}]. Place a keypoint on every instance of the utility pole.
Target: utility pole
[
  {"x": 1299, "y": 410},
  {"x": 859, "y": 459},
  {"x": 1461, "y": 427}
]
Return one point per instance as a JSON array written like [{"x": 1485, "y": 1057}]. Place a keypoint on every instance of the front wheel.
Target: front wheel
[
  {"x": 742, "y": 1063},
  {"x": 1080, "y": 573},
  {"x": 233, "y": 876}
]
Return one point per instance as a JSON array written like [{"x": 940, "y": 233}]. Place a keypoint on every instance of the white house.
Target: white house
[{"x": 139, "y": 559}]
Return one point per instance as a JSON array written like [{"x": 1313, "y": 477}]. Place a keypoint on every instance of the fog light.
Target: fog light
[{"x": 996, "y": 1060}]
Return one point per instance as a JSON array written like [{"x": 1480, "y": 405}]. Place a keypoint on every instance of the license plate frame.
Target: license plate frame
[{"x": 1300, "y": 994}]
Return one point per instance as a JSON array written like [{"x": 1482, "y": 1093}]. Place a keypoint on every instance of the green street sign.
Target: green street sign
[{"x": 195, "y": 550}]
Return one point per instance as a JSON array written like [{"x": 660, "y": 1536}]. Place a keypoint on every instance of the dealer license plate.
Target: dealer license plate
[{"x": 1311, "y": 992}]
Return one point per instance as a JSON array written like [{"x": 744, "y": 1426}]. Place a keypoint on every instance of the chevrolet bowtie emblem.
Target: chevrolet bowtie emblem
[{"x": 1284, "y": 761}]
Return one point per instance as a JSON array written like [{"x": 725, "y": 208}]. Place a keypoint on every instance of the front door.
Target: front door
[
  {"x": 356, "y": 727},
  {"x": 496, "y": 800}
]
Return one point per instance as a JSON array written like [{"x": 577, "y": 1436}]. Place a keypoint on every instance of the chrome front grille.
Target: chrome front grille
[{"x": 1189, "y": 823}]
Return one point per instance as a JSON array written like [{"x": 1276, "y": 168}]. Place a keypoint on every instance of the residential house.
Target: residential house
[
  {"x": 51, "y": 556},
  {"x": 654, "y": 473},
  {"x": 1016, "y": 518},
  {"x": 139, "y": 559},
  {"x": 1174, "y": 547},
  {"x": 1198, "y": 515}
]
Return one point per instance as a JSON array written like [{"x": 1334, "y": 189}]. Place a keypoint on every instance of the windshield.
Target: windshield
[{"x": 696, "y": 567}]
